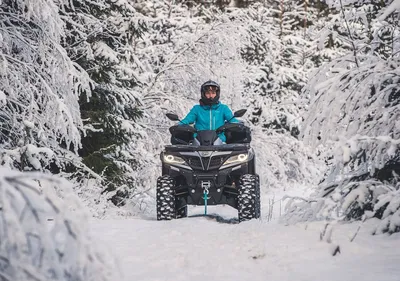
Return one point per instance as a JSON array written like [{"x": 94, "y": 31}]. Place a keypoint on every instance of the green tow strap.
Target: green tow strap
[{"x": 205, "y": 202}]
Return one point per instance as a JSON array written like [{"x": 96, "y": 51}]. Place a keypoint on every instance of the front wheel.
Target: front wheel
[
  {"x": 165, "y": 198},
  {"x": 249, "y": 197}
]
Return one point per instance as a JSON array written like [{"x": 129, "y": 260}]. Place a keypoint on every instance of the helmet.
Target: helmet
[{"x": 204, "y": 89}]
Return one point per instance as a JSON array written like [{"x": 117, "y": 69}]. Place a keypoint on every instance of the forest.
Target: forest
[{"x": 85, "y": 85}]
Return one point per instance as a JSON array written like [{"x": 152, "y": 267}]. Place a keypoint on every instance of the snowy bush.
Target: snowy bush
[
  {"x": 388, "y": 210},
  {"x": 43, "y": 232},
  {"x": 355, "y": 112},
  {"x": 355, "y": 200}
]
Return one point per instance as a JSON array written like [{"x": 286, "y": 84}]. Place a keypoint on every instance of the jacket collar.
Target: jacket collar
[{"x": 213, "y": 106}]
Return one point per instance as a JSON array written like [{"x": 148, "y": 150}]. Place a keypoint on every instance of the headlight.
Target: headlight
[
  {"x": 236, "y": 159},
  {"x": 172, "y": 159}
]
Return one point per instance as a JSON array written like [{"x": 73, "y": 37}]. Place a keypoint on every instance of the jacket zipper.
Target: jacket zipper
[{"x": 210, "y": 119}]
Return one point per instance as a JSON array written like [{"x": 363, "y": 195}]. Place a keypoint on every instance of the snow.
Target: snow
[
  {"x": 356, "y": 195},
  {"x": 33, "y": 152},
  {"x": 214, "y": 248},
  {"x": 392, "y": 8},
  {"x": 346, "y": 154},
  {"x": 126, "y": 126},
  {"x": 3, "y": 97},
  {"x": 28, "y": 124},
  {"x": 101, "y": 49}
]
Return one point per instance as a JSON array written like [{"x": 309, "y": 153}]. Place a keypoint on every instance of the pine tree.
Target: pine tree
[{"x": 99, "y": 39}]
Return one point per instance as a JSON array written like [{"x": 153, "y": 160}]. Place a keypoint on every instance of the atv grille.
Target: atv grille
[
  {"x": 196, "y": 163},
  {"x": 217, "y": 161}
]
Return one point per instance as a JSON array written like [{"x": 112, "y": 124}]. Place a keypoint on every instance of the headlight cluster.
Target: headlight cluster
[
  {"x": 172, "y": 159},
  {"x": 233, "y": 160},
  {"x": 236, "y": 159}
]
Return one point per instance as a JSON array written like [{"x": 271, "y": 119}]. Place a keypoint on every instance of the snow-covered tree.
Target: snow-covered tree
[
  {"x": 280, "y": 58},
  {"x": 99, "y": 38},
  {"x": 39, "y": 88},
  {"x": 355, "y": 111}
]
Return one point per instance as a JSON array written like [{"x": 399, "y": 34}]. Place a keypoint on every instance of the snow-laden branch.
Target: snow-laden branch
[
  {"x": 41, "y": 85},
  {"x": 44, "y": 234},
  {"x": 394, "y": 6}
]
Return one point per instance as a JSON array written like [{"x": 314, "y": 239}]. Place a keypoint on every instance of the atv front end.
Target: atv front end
[{"x": 219, "y": 171}]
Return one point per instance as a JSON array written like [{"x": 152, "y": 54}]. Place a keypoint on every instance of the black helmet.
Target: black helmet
[{"x": 203, "y": 90}]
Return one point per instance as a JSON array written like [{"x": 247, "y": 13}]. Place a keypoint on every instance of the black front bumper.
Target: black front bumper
[{"x": 195, "y": 183}]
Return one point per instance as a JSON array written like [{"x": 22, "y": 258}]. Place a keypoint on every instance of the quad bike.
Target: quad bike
[{"x": 198, "y": 169}]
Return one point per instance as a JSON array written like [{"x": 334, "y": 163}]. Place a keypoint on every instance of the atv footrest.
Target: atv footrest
[{"x": 230, "y": 190}]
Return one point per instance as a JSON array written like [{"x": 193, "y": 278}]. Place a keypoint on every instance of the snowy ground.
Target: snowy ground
[{"x": 217, "y": 248}]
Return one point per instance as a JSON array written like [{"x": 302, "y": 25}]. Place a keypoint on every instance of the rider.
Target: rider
[{"x": 210, "y": 114}]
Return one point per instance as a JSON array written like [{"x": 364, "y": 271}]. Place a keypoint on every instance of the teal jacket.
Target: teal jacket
[{"x": 209, "y": 117}]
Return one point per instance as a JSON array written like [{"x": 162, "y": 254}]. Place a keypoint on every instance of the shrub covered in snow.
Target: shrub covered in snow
[
  {"x": 44, "y": 237},
  {"x": 352, "y": 201}
]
